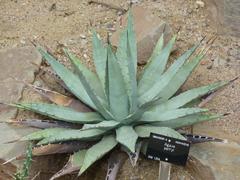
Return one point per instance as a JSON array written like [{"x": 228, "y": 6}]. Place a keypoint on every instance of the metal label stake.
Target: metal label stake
[{"x": 164, "y": 170}]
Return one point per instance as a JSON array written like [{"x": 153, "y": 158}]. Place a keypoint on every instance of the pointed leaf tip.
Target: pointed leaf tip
[
  {"x": 127, "y": 137},
  {"x": 97, "y": 151}
]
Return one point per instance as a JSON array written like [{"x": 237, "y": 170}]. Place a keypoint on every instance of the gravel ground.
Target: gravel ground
[{"x": 67, "y": 23}]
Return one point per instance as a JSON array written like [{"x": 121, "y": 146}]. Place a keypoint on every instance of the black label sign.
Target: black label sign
[{"x": 168, "y": 149}]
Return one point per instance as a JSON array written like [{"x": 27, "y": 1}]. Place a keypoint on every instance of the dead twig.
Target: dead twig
[
  {"x": 36, "y": 176},
  {"x": 110, "y": 6}
]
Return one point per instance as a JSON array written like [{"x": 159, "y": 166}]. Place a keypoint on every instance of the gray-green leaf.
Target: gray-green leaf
[
  {"x": 186, "y": 120},
  {"x": 61, "y": 113},
  {"x": 180, "y": 77},
  {"x": 155, "y": 116},
  {"x": 90, "y": 76},
  {"x": 38, "y": 135},
  {"x": 97, "y": 151},
  {"x": 72, "y": 82},
  {"x": 132, "y": 45},
  {"x": 100, "y": 59},
  {"x": 72, "y": 134},
  {"x": 166, "y": 78},
  {"x": 154, "y": 68},
  {"x": 145, "y": 131},
  {"x": 128, "y": 70},
  {"x": 118, "y": 99},
  {"x": 127, "y": 137},
  {"x": 104, "y": 125},
  {"x": 101, "y": 104},
  {"x": 187, "y": 96}
]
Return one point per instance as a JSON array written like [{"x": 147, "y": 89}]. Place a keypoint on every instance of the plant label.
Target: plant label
[{"x": 168, "y": 149}]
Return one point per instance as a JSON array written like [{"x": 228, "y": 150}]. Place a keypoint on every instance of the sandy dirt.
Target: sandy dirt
[{"x": 67, "y": 23}]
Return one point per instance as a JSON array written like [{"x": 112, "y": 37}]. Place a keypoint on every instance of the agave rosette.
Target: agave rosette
[{"x": 126, "y": 107}]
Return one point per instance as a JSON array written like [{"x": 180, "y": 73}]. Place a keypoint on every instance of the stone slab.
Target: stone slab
[
  {"x": 225, "y": 16},
  {"x": 223, "y": 159},
  {"x": 17, "y": 63},
  {"x": 148, "y": 29}
]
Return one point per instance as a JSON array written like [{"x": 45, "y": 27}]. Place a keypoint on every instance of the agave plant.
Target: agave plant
[{"x": 125, "y": 106}]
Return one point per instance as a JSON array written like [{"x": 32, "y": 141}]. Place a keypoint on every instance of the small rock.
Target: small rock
[
  {"x": 210, "y": 66},
  {"x": 219, "y": 61},
  {"x": 83, "y": 42},
  {"x": 146, "y": 37},
  {"x": 110, "y": 27},
  {"x": 22, "y": 41},
  {"x": 234, "y": 52},
  {"x": 189, "y": 11},
  {"x": 82, "y": 36},
  {"x": 134, "y": 1},
  {"x": 200, "y": 4},
  {"x": 85, "y": 56},
  {"x": 53, "y": 7}
]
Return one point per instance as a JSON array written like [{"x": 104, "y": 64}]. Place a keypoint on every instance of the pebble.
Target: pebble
[
  {"x": 110, "y": 27},
  {"x": 189, "y": 11},
  {"x": 210, "y": 66},
  {"x": 82, "y": 36},
  {"x": 85, "y": 56},
  {"x": 233, "y": 52},
  {"x": 200, "y": 4},
  {"x": 134, "y": 1},
  {"x": 22, "y": 41}
]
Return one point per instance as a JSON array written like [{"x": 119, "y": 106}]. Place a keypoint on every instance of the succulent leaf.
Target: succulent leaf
[
  {"x": 188, "y": 96},
  {"x": 180, "y": 77},
  {"x": 126, "y": 64},
  {"x": 72, "y": 82},
  {"x": 155, "y": 68},
  {"x": 74, "y": 163},
  {"x": 90, "y": 76},
  {"x": 132, "y": 45},
  {"x": 43, "y": 124},
  {"x": 97, "y": 151},
  {"x": 144, "y": 131},
  {"x": 150, "y": 116},
  {"x": 165, "y": 79},
  {"x": 38, "y": 135},
  {"x": 138, "y": 113},
  {"x": 118, "y": 99},
  {"x": 186, "y": 120},
  {"x": 61, "y": 113},
  {"x": 127, "y": 137},
  {"x": 101, "y": 104},
  {"x": 63, "y": 148},
  {"x": 100, "y": 60},
  {"x": 61, "y": 99},
  {"x": 157, "y": 50},
  {"x": 72, "y": 134},
  {"x": 104, "y": 125},
  {"x": 78, "y": 157}
]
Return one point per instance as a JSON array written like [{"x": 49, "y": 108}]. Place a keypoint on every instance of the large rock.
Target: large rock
[
  {"x": 21, "y": 64},
  {"x": 225, "y": 15},
  {"x": 223, "y": 160},
  {"x": 148, "y": 29}
]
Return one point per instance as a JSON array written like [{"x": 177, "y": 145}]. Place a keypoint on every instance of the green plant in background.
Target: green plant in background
[
  {"x": 24, "y": 172},
  {"x": 127, "y": 107}
]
